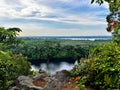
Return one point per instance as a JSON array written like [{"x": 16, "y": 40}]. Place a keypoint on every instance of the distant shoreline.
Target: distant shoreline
[{"x": 68, "y": 37}]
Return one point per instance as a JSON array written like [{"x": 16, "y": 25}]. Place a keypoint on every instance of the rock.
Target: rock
[
  {"x": 57, "y": 80},
  {"x": 42, "y": 74},
  {"x": 25, "y": 83},
  {"x": 14, "y": 88},
  {"x": 41, "y": 71},
  {"x": 42, "y": 82},
  {"x": 62, "y": 76}
]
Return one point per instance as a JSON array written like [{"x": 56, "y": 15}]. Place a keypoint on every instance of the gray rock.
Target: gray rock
[
  {"x": 25, "y": 83},
  {"x": 53, "y": 82},
  {"x": 14, "y": 88},
  {"x": 41, "y": 75},
  {"x": 57, "y": 80}
]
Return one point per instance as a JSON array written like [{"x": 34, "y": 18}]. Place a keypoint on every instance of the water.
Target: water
[
  {"x": 53, "y": 67},
  {"x": 69, "y": 37}
]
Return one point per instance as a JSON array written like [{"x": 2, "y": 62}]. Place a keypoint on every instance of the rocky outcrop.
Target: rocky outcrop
[
  {"x": 42, "y": 82},
  {"x": 25, "y": 83},
  {"x": 57, "y": 80}
]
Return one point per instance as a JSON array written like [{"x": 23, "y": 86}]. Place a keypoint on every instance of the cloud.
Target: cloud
[
  {"x": 40, "y": 29},
  {"x": 47, "y": 10},
  {"x": 45, "y": 17}
]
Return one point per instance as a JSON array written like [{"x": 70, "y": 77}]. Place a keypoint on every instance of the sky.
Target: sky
[{"x": 54, "y": 17}]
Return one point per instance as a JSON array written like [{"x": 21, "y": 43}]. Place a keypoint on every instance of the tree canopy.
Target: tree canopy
[
  {"x": 113, "y": 18},
  {"x": 8, "y": 36},
  {"x": 102, "y": 1}
]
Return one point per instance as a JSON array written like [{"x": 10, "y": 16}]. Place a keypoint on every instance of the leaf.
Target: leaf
[{"x": 92, "y": 1}]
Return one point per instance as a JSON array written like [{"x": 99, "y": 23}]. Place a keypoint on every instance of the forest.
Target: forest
[
  {"x": 15, "y": 53},
  {"x": 99, "y": 66},
  {"x": 55, "y": 49}
]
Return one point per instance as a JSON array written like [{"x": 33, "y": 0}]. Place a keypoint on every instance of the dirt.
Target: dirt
[
  {"x": 39, "y": 82},
  {"x": 69, "y": 86}
]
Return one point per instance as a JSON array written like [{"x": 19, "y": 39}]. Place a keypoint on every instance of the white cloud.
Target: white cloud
[
  {"x": 31, "y": 9},
  {"x": 27, "y": 8},
  {"x": 53, "y": 10},
  {"x": 39, "y": 29}
]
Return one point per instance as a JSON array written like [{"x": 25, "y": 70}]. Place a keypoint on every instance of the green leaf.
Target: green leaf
[{"x": 92, "y": 1}]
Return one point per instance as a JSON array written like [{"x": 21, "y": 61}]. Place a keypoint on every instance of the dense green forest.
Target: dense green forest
[{"x": 51, "y": 49}]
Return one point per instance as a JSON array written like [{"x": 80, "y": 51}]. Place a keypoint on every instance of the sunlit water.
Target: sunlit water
[{"x": 53, "y": 67}]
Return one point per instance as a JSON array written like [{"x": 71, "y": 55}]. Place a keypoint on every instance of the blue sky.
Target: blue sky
[{"x": 54, "y": 17}]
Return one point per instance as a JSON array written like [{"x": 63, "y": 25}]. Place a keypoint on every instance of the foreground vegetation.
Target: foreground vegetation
[
  {"x": 101, "y": 70},
  {"x": 11, "y": 65}
]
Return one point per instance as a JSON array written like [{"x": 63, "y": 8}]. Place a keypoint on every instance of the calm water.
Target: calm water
[{"x": 53, "y": 67}]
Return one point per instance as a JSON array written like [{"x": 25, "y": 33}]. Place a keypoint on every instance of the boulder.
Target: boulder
[
  {"x": 42, "y": 82},
  {"x": 25, "y": 83},
  {"x": 57, "y": 80},
  {"x": 14, "y": 88}
]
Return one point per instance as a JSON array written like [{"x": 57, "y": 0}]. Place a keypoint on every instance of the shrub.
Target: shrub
[
  {"x": 101, "y": 70},
  {"x": 12, "y": 66}
]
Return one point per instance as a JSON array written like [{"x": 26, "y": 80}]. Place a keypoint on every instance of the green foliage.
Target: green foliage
[
  {"x": 102, "y": 1},
  {"x": 35, "y": 73},
  {"x": 101, "y": 70},
  {"x": 114, "y": 15},
  {"x": 8, "y": 36},
  {"x": 12, "y": 66},
  {"x": 40, "y": 49},
  {"x": 97, "y": 1}
]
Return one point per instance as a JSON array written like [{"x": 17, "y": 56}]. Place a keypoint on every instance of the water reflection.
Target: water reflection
[{"x": 53, "y": 67}]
